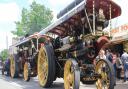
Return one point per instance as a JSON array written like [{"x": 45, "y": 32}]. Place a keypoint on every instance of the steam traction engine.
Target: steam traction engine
[
  {"x": 78, "y": 39},
  {"x": 24, "y": 55}
]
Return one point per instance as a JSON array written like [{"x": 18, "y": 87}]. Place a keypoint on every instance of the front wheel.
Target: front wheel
[
  {"x": 26, "y": 71},
  {"x": 106, "y": 71},
  {"x": 71, "y": 75},
  {"x": 46, "y": 66}
]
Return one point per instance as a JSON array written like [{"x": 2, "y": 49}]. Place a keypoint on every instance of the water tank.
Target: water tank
[{"x": 68, "y": 8}]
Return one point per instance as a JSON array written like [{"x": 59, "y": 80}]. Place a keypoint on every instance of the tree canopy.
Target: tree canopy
[
  {"x": 33, "y": 19},
  {"x": 4, "y": 54}
]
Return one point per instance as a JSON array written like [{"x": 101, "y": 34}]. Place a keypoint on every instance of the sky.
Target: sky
[{"x": 10, "y": 11}]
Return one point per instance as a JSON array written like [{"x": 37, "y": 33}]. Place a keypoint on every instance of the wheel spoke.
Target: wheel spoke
[
  {"x": 99, "y": 84},
  {"x": 41, "y": 75}
]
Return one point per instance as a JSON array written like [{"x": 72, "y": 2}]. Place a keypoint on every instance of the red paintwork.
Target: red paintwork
[
  {"x": 101, "y": 42},
  {"x": 105, "y": 5},
  {"x": 38, "y": 36}
]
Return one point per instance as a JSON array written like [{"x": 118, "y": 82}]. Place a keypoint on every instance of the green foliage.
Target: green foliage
[
  {"x": 33, "y": 19},
  {"x": 19, "y": 31},
  {"x": 4, "y": 54}
]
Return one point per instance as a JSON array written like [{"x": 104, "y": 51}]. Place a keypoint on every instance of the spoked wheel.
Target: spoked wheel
[
  {"x": 71, "y": 75},
  {"x": 26, "y": 71},
  {"x": 46, "y": 66},
  {"x": 106, "y": 71},
  {"x": 13, "y": 66}
]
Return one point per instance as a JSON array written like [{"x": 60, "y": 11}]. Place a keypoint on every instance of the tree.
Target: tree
[
  {"x": 4, "y": 54},
  {"x": 33, "y": 19}
]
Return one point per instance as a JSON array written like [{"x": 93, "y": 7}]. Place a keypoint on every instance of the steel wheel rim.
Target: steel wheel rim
[
  {"x": 104, "y": 81},
  {"x": 42, "y": 66},
  {"x": 68, "y": 75},
  {"x": 12, "y": 66},
  {"x": 26, "y": 71}
]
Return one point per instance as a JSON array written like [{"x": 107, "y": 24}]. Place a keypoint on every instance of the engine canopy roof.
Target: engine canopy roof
[{"x": 74, "y": 14}]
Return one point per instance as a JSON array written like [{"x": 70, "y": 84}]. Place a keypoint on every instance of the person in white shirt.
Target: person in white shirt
[{"x": 101, "y": 55}]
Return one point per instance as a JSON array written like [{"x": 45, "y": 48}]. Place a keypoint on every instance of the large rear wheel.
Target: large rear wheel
[
  {"x": 106, "y": 71},
  {"x": 13, "y": 66},
  {"x": 46, "y": 66},
  {"x": 71, "y": 75}
]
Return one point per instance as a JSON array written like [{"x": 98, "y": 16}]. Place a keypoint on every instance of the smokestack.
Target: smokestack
[{"x": 6, "y": 41}]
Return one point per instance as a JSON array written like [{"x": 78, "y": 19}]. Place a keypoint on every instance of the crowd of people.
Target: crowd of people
[{"x": 119, "y": 62}]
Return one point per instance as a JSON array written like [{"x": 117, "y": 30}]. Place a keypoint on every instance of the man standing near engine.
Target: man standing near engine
[{"x": 124, "y": 59}]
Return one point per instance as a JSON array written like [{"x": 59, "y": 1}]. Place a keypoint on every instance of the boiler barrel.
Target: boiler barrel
[{"x": 68, "y": 8}]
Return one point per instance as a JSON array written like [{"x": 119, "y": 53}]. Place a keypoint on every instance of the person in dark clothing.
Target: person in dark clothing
[
  {"x": 109, "y": 55},
  {"x": 119, "y": 66},
  {"x": 114, "y": 59},
  {"x": 124, "y": 59},
  {"x": 7, "y": 67}
]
